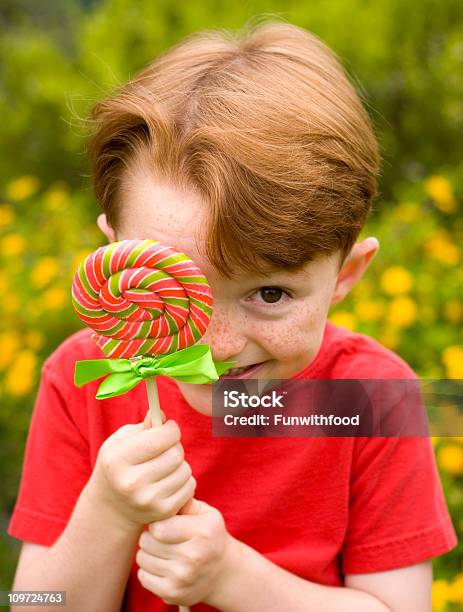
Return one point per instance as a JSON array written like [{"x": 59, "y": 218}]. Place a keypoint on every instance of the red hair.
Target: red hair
[{"x": 265, "y": 125}]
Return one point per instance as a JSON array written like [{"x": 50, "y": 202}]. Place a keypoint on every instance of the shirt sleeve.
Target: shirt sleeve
[
  {"x": 56, "y": 465},
  {"x": 397, "y": 514}
]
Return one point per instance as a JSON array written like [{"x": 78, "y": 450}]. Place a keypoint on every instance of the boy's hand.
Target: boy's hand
[
  {"x": 185, "y": 558},
  {"x": 140, "y": 474}
]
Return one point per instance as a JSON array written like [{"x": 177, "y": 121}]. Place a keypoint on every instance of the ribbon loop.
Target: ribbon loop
[{"x": 193, "y": 364}]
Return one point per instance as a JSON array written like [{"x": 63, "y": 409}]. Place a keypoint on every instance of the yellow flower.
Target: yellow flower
[
  {"x": 450, "y": 459},
  {"x": 55, "y": 298},
  {"x": 9, "y": 341},
  {"x": 342, "y": 318},
  {"x": 369, "y": 310},
  {"x": 408, "y": 212},
  {"x": 13, "y": 245},
  {"x": 23, "y": 187},
  {"x": 396, "y": 280},
  {"x": 456, "y": 589},
  {"x": 440, "y": 248},
  {"x": 20, "y": 377},
  {"x": 44, "y": 271},
  {"x": 6, "y": 215},
  {"x": 11, "y": 304},
  {"x": 452, "y": 358},
  {"x": 56, "y": 197},
  {"x": 440, "y": 190},
  {"x": 34, "y": 339},
  {"x": 453, "y": 311},
  {"x": 402, "y": 311},
  {"x": 4, "y": 285},
  {"x": 435, "y": 441},
  {"x": 440, "y": 595}
]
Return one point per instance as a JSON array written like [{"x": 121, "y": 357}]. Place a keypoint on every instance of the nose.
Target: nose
[{"x": 225, "y": 334}]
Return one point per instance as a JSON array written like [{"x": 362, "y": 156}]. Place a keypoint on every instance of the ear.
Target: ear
[
  {"x": 106, "y": 228},
  {"x": 354, "y": 267}
]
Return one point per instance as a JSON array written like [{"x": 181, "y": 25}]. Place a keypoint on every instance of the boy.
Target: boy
[{"x": 256, "y": 158}]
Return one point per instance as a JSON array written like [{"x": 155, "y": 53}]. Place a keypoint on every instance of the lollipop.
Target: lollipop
[
  {"x": 148, "y": 305},
  {"x": 142, "y": 297}
]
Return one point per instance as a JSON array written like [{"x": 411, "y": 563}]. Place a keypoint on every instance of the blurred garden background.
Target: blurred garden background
[{"x": 405, "y": 58}]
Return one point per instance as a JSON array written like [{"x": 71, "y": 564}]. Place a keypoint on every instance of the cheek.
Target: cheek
[
  {"x": 295, "y": 334},
  {"x": 219, "y": 327}
]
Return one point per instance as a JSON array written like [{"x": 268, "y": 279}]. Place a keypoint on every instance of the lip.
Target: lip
[{"x": 249, "y": 374}]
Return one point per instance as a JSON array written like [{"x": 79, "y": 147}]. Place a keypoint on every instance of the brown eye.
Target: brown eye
[{"x": 270, "y": 295}]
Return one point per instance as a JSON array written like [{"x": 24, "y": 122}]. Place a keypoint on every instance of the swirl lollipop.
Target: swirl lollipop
[
  {"x": 141, "y": 297},
  {"x": 148, "y": 305}
]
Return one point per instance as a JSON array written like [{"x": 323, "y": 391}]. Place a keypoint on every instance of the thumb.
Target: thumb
[
  {"x": 194, "y": 506},
  {"x": 147, "y": 423},
  {"x": 126, "y": 431}
]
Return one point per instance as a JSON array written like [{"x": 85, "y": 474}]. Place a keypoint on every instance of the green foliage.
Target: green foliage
[{"x": 404, "y": 58}]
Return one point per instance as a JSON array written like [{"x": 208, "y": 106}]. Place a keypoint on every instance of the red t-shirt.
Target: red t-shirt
[{"x": 319, "y": 507}]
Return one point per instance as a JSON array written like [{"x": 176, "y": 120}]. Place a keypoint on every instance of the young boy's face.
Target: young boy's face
[{"x": 276, "y": 321}]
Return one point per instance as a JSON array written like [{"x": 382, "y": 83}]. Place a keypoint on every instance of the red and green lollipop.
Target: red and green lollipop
[{"x": 148, "y": 304}]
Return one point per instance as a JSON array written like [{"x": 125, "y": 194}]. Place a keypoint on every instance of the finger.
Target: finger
[
  {"x": 154, "y": 547},
  {"x": 181, "y": 493},
  {"x": 175, "y": 483},
  {"x": 186, "y": 509},
  {"x": 160, "y": 467},
  {"x": 146, "y": 444},
  {"x": 174, "y": 530},
  {"x": 126, "y": 431},
  {"x": 160, "y": 586},
  {"x": 194, "y": 506},
  {"x": 151, "y": 563},
  {"x": 181, "y": 527},
  {"x": 147, "y": 423}
]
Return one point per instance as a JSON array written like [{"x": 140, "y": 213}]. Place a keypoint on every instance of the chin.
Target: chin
[{"x": 199, "y": 397}]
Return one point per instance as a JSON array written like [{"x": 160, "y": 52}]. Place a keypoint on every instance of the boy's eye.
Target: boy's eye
[{"x": 272, "y": 295}]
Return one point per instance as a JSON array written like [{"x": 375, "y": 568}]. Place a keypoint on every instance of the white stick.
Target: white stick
[
  {"x": 156, "y": 421},
  {"x": 153, "y": 401}
]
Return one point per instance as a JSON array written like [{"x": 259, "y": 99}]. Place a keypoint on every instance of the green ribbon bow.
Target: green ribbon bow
[{"x": 193, "y": 364}]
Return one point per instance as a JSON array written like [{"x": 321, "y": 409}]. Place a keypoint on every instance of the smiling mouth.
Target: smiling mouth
[{"x": 243, "y": 372}]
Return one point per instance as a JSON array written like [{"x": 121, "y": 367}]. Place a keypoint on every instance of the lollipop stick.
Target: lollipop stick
[
  {"x": 156, "y": 420},
  {"x": 153, "y": 401}
]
